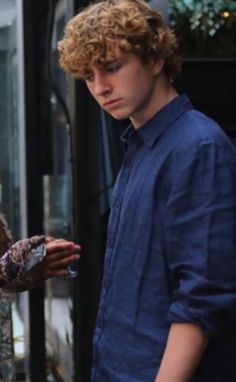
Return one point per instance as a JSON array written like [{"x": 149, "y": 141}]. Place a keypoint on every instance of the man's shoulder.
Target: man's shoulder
[
  {"x": 195, "y": 136},
  {"x": 195, "y": 128}
]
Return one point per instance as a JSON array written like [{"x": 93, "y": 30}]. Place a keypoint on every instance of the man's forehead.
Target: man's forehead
[
  {"x": 111, "y": 56},
  {"x": 112, "y": 53}
]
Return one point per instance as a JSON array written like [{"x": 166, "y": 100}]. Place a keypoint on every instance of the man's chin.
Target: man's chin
[{"x": 119, "y": 116}]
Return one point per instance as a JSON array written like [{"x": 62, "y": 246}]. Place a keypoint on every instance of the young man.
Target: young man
[{"x": 169, "y": 288}]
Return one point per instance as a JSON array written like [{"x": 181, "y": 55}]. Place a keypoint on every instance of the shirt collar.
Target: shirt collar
[{"x": 157, "y": 125}]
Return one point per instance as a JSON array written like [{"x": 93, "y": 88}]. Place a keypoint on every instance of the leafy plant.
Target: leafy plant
[{"x": 205, "y": 22}]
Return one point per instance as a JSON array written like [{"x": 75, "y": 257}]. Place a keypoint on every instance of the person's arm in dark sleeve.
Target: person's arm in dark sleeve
[
  {"x": 201, "y": 246},
  {"x": 30, "y": 261}
]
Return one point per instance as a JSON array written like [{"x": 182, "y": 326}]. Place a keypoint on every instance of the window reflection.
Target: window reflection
[
  {"x": 9, "y": 142},
  {"x": 57, "y": 222},
  {"x": 11, "y": 179}
]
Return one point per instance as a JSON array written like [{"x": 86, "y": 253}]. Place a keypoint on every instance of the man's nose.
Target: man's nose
[{"x": 101, "y": 84}]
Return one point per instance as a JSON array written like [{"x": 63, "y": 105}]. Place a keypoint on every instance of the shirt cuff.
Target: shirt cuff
[
  {"x": 36, "y": 255},
  {"x": 209, "y": 322}
]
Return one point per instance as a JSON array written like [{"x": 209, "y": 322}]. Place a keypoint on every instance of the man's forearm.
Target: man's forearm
[{"x": 185, "y": 346}]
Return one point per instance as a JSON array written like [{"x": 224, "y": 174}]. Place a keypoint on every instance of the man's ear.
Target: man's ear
[{"x": 158, "y": 65}]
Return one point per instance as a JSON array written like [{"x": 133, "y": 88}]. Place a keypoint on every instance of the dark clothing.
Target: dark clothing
[{"x": 171, "y": 248}]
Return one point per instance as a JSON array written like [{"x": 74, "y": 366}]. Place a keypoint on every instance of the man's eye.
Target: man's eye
[
  {"x": 88, "y": 77},
  {"x": 112, "y": 67}
]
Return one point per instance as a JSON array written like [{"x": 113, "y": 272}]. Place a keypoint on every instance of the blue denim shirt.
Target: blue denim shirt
[{"x": 171, "y": 248}]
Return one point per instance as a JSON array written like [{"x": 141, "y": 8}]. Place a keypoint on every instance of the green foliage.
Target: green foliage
[{"x": 205, "y": 27}]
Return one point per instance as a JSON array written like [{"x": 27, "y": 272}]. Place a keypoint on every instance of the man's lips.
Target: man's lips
[{"x": 111, "y": 102}]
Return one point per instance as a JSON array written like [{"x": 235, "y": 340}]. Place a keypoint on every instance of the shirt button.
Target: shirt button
[
  {"x": 117, "y": 203},
  {"x": 109, "y": 242}
]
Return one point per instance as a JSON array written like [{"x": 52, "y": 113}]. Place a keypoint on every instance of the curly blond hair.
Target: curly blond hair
[{"x": 132, "y": 26}]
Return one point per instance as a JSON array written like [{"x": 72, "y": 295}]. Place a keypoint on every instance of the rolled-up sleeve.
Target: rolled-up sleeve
[{"x": 201, "y": 237}]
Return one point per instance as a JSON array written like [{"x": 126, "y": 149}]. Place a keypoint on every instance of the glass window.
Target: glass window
[
  {"x": 12, "y": 173},
  {"x": 57, "y": 188},
  {"x": 9, "y": 133}
]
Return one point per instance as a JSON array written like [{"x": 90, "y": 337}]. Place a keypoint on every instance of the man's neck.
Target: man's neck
[{"x": 163, "y": 93}]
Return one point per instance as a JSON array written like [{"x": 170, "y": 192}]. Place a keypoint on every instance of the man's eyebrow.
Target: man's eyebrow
[
  {"x": 101, "y": 65},
  {"x": 86, "y": 73},
  {"x": 110, "y": 61}
]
